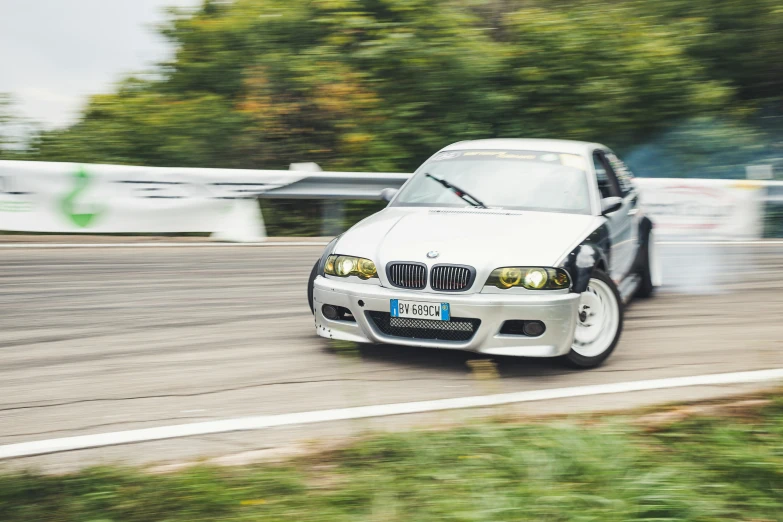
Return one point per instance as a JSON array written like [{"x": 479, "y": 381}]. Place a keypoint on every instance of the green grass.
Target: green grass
[{"x": 701, "y": 469}]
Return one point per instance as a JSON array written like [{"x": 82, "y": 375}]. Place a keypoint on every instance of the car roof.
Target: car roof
[{"x": 540, "y": 145}]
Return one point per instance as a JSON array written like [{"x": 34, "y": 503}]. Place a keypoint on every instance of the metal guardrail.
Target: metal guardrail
[
  {"x": 368, "y": 185},
  {"x": 339, "y": 185},
  {"x": 77, "y": 198}
]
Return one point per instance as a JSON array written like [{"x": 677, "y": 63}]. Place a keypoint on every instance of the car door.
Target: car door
[
  {"x": 621, "y": 223},
  {"x": 630, "y": 195}
]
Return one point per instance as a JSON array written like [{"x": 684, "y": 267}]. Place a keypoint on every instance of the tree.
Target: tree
[
  {"x": 381, "y": 84},
  {"x": 739, "y": 42},
  {"x": 6, "y": 118},
  {"x": 15, "y": 131},
  {"x": 702, "y": 147}
]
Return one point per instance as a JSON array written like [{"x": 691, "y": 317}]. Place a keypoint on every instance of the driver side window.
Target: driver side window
[{"x": 607, "y": 185}]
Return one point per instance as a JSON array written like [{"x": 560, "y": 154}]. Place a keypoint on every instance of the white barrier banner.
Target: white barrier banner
[
  {"x": 94, "y": 199},
  {"x": 72, "y": 198},
  {"x": 703, "y": 208}
]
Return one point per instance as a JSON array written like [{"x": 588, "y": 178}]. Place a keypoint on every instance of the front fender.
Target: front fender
[
  {"x": 593, "y": 252},
  {"x": 318, "y": 269}
]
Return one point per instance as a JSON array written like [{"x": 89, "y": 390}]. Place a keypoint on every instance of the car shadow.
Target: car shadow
[{"x": 457, "y": 361}]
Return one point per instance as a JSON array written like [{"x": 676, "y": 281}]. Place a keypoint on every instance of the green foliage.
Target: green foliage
[
  {"x": 380, "y": 85},
  {"x": 702, "y": 147},
  {"x": 773, "y": 220},
  {"x": 701, "y": 470},
  {"x": 14, "y": 130},
  {"x": 738, "y": 41},
  {"x": 306, "y": 218},
  {"x": 5, "y": 118},
  {"x": 140, "y": 126}
]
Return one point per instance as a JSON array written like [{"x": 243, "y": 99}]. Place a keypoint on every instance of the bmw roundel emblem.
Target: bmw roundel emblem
[{"x": 432, "y": 254}]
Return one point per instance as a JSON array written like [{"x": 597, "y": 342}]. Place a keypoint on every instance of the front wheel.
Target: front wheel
[{"x": 599, "y": 323}]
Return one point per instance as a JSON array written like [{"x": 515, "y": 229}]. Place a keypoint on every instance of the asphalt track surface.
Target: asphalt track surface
[{"x": 109, "y": 339}]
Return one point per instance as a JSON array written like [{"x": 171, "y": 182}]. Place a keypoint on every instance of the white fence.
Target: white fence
[
  {"x": 704, "y": 208},
  {"x": 73, "y": 198}
]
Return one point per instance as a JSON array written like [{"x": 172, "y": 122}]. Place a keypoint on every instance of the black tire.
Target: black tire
[
  {"x": 577, "y": 360},
  {"x": 646, "y": 288},
  {"x": 311, "y": 286}
]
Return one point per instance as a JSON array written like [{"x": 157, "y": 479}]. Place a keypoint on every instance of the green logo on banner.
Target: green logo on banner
[{"x": 80, "y": 219}]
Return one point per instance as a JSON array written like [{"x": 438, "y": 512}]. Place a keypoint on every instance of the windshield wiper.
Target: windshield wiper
[{"x": 467, "y": 196}]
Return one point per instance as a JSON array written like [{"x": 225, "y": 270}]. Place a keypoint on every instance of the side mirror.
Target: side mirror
[
  {"x": 611, "y": 204},
  {"x": 388, "y": 194}
]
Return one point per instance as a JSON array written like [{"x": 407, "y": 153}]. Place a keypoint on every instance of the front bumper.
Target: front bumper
[{"x": 557, "y": 311}]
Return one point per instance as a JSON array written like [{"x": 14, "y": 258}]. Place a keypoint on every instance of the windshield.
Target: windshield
[{"x": 518, "y": 180}]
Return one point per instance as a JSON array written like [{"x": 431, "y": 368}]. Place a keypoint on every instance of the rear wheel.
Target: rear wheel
[
  {"x": 599, "y": 324},
  {"x": 647, "y": 260}
]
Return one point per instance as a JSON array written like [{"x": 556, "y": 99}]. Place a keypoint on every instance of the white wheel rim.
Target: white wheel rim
[{"x": 597, "y": 321}]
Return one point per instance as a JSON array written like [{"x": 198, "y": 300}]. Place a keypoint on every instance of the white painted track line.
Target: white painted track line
[
  {"x": 41, "y": 447},
  {"x": 762, "y": 242}
]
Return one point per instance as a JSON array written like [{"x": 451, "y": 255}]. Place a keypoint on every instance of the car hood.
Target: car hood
[{"x": 482, "y": 238}]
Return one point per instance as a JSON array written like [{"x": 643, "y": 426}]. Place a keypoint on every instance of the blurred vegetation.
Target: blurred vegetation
[
  {"x": 773, "y": 220},
  {"x": 681, "y": 88},
  {"x": 8, "y": 120},
  {"x": 5, "y": 119},
  {"x": 380, "y": 85},
  {"x": 308, "y": 218},
  {"x": 695, "y": 468}
]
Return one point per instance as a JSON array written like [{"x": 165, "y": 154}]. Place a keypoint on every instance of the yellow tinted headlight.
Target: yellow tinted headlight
[
  {"x": 535, "y": 278},
  {"x": 366, "y": 268},
  {"x": 560, "y": 279},
  {"x": 532, "y": 278},
  {"x": 344, "y": 266},
  {"x": 329, "y": 266},
  {"x": 508, "y": 277}
]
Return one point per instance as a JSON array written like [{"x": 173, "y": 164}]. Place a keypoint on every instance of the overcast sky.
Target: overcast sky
[{"x": 55, "y": 53}]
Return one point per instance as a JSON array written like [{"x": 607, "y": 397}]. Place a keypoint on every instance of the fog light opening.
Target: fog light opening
[
  {"x": 338, "y": 313},
  {"x": 534, "y": 328},
  {"x": 330, "y": 312}
]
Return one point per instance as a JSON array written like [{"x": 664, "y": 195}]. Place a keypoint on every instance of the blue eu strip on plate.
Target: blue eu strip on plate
[{"x": 445, "y": 312}]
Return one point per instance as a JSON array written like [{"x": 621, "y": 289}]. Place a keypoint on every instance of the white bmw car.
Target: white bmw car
[{"x": 516, "y": 247}]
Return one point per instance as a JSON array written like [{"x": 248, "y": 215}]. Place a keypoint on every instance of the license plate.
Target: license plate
[{"x": 420, "y": 310}]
